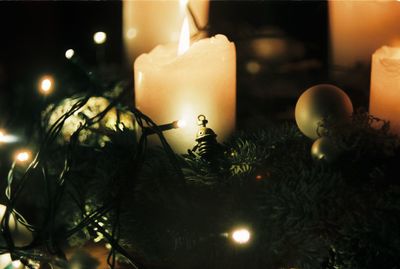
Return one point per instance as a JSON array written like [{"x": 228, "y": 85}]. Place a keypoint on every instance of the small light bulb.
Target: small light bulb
[
  {"x": 23, "y": 156},
  {"x": 69, "y": 53},
  {"x": 253, "y": 67},
  {"x": 6, "y": 138},
  {"x": 181, "y": 123},
  {"x": 131, "y": 33},
  {"x": 241, "y": 236},
  {"x": 16, "y": 263},
  {"x": 46, "y": 85},
  {"x": 99, "y": 37}
]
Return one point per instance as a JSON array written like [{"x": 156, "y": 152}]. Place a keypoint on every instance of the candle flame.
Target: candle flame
[
  {"x": 184, "y": 40},
  {"x": 183, "y": 4}
]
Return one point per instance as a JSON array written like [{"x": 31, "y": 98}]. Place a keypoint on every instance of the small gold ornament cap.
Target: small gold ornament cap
[
  {"x": 204, "y": 132},
  {"x": 202, "y": 120},
  {"x": 207, "y": 146}
]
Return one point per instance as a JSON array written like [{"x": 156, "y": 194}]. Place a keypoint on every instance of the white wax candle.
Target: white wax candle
[
  {"x": 385, "y": 86},
  {"x": 358, "y": 28},
  {"x": 169, "y": 87},
  {"x": 148, "y": 23}
]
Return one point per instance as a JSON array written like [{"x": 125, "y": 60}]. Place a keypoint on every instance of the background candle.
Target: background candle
[
  {"x": 385, "y": 86},
  {"x": 358, "y": 28},
  {"x": 202, "y": 80},
  {"x": 148, "y": 23}
]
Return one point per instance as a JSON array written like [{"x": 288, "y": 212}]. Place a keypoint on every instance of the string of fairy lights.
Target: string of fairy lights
[
  {"x": 46, "y": 86},
  {"x": 241, "y": 235}
]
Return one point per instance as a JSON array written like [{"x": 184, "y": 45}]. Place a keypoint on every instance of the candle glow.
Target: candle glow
[
  {"x": 355, "y": 38},
  {"x": 149, "y": 23},
  {"x": 184, "y": 40},
  {"x": 385, "y": 86},
  {"x": 202, "y": 80}
]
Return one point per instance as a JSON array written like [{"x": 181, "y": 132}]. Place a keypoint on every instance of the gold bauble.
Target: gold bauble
[
  {"x": 94, "y": 106},
  {"x": 323, "y": 149},
  {"x": 323, "y": 101}
]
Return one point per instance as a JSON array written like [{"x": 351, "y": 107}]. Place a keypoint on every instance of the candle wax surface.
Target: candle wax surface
[
  {"x": 358, "y": 28},
  {"x": 169, "y": 87},
  {"x": 385, "y": 86},
  {"x": 147, "y": 23}
]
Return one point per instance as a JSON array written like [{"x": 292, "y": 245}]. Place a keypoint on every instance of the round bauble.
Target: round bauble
[
  {"x": 323, "y": 149},
  {"x": 318, "y": 103},
  {"x": 93, "y": 107},
  {"x": 20, "y": 234}
]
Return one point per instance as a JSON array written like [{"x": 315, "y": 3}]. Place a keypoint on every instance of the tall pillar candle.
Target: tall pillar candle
[
  {"x": 202, "y": 80},
  {"x": 148, "y": 23},
  {"x": 358, "y": 28},
  {"x": 385, "y": 86}
]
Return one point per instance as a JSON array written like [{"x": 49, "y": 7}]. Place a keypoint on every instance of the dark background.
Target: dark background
[{"x": 35, "y": 35}]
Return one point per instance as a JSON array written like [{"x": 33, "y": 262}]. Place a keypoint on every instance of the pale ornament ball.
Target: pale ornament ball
[
  {"x": 323, "y": 149},
  {"x": 20, "y": 234},
  {"x": 93, "y": 107},
  {"x": 323, "y": 101}
]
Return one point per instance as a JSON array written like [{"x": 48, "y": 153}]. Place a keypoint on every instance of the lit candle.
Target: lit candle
[
  {"x": 148, "y": 23},
  {"x": 385, "y": 86},
  {"x": 358, "y": 28},
  {"x": 181, "y": 82}
]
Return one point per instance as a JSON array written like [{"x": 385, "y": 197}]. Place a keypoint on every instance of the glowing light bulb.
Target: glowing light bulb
[
  {"x": 131, "y": 33},
  {"x": 253, "y": 67},
  {"x": 6, "y": 138},
  {"x": 16, "y": 263},
  {"x": 181, "y": 123},
  {"x": 184, "y": 40},
  {"x": 99, "y": 37},
  {"x": 5, "y": 260},
  {"x": 46, "y": 85},
  {"x": 69, "y": 53},
  {"x": 23, "y": 156},
  {"x": 241, "y": 236}
]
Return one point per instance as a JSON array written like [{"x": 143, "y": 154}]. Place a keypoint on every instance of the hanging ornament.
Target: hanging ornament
[
  {"x": 207, "y": 146},
  {"x": 20, "y": 234},
  {"x": 323, "y": 149},
  {"x": 319, "y": 103}
]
